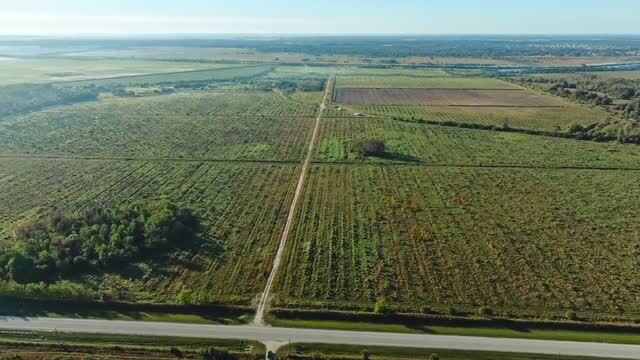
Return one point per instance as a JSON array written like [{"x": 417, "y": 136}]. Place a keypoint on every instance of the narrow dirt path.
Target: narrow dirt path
[{"x": 264, "y": 299}]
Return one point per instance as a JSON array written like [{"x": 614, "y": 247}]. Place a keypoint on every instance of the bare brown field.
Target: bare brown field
[{"x": 444, "y": 97}]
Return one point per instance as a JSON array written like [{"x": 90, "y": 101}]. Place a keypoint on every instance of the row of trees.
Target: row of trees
[
  {"x": 58, "y": 244},
  {"x": 19, "y": 99}
]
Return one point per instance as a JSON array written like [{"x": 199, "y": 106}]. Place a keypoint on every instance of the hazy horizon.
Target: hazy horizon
[{"x": 288, "y": 17}]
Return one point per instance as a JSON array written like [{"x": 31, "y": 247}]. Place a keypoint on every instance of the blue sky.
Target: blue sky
[{"x": 327, "y": 16}]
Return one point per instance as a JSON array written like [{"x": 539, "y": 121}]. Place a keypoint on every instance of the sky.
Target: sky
[{"x": 57, "y": 17}]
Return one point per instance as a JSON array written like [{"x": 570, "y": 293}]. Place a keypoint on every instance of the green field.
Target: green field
[
  {"x": 442, "y": 145},
  {"x": 533, "y": 118},
  {"x": 248, "y": 126},
  {"x": 515, "y": 239},
  {"x": 529, "y": 225},
  {"x": 223, "y": 73},
  {"x": 218, "y": 192},
  {"x": 26, "y": 71},
  {"x": 421, "y": 82}
]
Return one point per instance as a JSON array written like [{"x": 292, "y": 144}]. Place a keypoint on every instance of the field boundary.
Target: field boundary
[
  {"x": 481, "y": 166},
  {"x": 146, "y": 159},
  {"x": 430, "y": 88},
  {"x": 264, "y": 299}
]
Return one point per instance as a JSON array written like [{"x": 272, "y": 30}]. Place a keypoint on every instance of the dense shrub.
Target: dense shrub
[
  {"x": 370, "y": 147},
  {"x": 55, "y": 245}
]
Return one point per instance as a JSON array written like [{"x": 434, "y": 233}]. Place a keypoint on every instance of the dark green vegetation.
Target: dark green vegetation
[
  {"x": 323, "y": 351},
  {"x": 57, "y": 245},
  {"x": 48, "y": 345}
]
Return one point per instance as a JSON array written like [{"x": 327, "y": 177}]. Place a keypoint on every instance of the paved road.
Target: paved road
[
  {"x": 283, "y": 335},
  {"x": 265, "y": 297}
]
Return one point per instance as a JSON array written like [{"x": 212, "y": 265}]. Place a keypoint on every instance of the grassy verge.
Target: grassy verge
[
  {"x": 521, "y": 332},
  {"x": 195, "y": 315},
  {"x": 319, "y": 351},
  {"x": 26, "y": 344}
]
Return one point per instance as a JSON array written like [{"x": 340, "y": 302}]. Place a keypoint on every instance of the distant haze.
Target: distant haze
[{"x": 50, "y": 17}]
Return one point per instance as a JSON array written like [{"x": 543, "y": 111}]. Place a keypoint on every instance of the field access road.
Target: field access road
[
  {"x": 281, "y": 336},
  {"x": 265, "y": 297}
]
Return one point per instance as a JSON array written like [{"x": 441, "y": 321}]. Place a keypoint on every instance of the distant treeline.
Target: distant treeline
[{"x": 377, "y": 46}]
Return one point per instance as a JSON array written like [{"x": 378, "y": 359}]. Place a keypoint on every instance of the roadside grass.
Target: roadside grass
[
  {"x": 21, "y": 308},
  {"x": 630, "y": 338},
  {"x": 310, "y": 350},
  {"x": 54, "y": 344}
]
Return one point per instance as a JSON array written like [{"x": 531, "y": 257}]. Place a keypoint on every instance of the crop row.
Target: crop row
[
  {"x": 362, "y": 81},
  {"x": 534, "y": 118},
  {"x": 198, "y": 104},
  {"x": 456, "y": 146},
  {"x": 243, "y": 206},
  {"x": 417, "y": 236},
  {"x": 195, "y": 137}
]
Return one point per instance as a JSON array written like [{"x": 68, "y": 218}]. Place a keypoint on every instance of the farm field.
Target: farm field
[
  {"x": 246, "y": 126},
  {"x": 535, "y": 118},
  {"x": 222, "y": 73},
  {"x": 518, "y": 240},
  {"x": 217, "y": 192},
  {"x": 422, "y": 82},
  {"x": 432, "y": 144},
  {"x": 25, "y": 71},
  {"x": 325, "y": 71},
  {"x": 444, "y": 97}
]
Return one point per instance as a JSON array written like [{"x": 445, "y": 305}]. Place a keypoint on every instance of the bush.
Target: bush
[
  {"x": 176, "y": 352},
  {"x": 486, "y": 311},
  {"x": 428, "y": 310},
  {"x": 214, "y": 354},
  {"x": 434, "y": 357},
  {"x": 382, "y": 307},
  {"x": 371, "y": 147},
  {"x": 571, "y": 315}
]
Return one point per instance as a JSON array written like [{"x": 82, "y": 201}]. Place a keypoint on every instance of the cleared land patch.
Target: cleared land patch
[
  {"x": 243, "y": 205},
  {"x": 443, "y": 97},
  {"x": 520, "y": 240}
]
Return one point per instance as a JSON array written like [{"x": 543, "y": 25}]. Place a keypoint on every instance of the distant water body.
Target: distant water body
[{"x": 6, "y": 58}]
